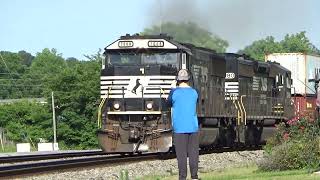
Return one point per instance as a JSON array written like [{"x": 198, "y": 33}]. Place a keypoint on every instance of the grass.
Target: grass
[
  {"x": 11, "y": 148},
  {"x": 8, "y": 148},
  {"x": 248, "y": 173}
]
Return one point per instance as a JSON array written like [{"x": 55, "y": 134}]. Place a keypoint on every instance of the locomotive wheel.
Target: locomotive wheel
[
  {"x": 230, "y": 137},
  {"x": 251, "y": 136}
]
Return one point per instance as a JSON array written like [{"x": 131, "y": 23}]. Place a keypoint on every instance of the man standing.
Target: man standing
[{"x": 183, "y": 100}]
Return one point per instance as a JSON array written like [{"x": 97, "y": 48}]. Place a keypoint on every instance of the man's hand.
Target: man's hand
[{"x": 174, "y": 84}]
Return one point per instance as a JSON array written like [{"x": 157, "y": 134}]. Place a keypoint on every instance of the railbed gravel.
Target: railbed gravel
[{"x": 208, "y": 162}]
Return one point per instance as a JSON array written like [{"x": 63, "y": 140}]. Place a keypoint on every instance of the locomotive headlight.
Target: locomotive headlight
[
  {"x": 116, "y": 105},
  {"x": 149, "y": 105}
]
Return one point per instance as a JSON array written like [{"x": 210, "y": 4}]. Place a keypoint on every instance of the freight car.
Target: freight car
[
  {"x": 240, "y": 99},
  {"x": 303, "y": 68}
]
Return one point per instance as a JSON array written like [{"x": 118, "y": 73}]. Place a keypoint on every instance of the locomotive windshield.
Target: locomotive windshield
[{"x": 168, "y": 59}]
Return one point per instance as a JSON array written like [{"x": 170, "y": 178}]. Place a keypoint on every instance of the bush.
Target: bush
[{"x": 295, "y": 145}]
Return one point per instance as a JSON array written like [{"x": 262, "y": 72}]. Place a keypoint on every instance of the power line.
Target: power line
[
  {"x": 40, "y": 85},
  {"x": 5, "y": 64},
  {"x": 2, "y": 79},
  {"x": 9, "y": 73},
  {"x": 8, "y": 70},
  {"x": 18, "y": 85}
]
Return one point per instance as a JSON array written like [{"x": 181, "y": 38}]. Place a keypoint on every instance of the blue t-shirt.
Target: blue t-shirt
[{"x": 184, "y": 109}]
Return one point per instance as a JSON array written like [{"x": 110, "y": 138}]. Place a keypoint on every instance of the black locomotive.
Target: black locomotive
[{"x": 240, "y": 99}]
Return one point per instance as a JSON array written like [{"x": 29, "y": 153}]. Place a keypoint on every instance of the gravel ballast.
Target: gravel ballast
[{"x": 208, "y": 162}]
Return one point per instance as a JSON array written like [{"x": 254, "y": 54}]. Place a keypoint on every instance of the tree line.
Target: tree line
[{"x": 76, "y": 85}]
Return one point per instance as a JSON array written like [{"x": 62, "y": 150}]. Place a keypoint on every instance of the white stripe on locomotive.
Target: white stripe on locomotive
[
  {"x": 231, "y": 90},
  {"x": 131, "y": 86}
]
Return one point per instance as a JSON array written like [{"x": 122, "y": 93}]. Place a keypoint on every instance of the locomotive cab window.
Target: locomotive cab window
[
  {"x": 288, "y": 82},
  {"x": 103, "y": 64},
  {"x": 168, "y": 59},
  {"x": 123, "y": 59},
  {"x": 279, "y": 80}
]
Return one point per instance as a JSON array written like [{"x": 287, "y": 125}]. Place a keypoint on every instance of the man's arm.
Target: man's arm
[
  {"x": 197, "y": 94},
  {"x": 169, "y": 99}
]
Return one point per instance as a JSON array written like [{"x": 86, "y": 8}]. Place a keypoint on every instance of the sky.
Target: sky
[{"x": 80, "y": 27}]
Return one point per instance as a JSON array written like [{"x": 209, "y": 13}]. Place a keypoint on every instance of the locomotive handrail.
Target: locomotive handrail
[
  {"x": 237, "y": 108},
  {"x": 100, "y": 108},
  {"x": 161, "y": 92},
  {"x": 269, "y": 106},
  {"x": 240, "y": 113},
  {"x": 134, "y": 112},
  {"x": 244, "y": 110},
  {"x": 253, "y": 105},
  {"x": 99, "y": 112}
]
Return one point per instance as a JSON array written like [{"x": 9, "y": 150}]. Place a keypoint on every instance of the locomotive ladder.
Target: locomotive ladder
[
  {"x": 100, "y": 108},
  {"x": 241, "y": 116},
  {"x": 241, "y": 111}
]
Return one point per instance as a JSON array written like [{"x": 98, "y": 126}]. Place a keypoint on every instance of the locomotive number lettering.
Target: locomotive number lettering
[
  {"x": 125, "y": 44},
  {"x": 230, "y": 75},
  {"x": 142, "y": 70},
  {"x": 155, "y": 43}
]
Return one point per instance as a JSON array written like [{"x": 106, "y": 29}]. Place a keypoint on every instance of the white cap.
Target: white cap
[{"x": 183, "y": 75}]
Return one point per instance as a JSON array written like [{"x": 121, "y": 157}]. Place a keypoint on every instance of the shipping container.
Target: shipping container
[
  {"x": 305, "y": 106},
  {"x": 302, "y": 67}
]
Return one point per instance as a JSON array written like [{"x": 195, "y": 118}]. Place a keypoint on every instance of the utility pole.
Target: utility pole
[
  {"x": 54, "y": 122},
  {"x": 1, "y": 138}
]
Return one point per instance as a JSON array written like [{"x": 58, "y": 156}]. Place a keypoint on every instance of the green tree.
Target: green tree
[
  {"x": 189, "y": 33},
  {"x": 45, "y": 66},
  {"x": 26, "y": 121},
  {"x": 298, "y": 43},
  {"x": 76, "y": 91},
  {"x": 47, "y": 63},
  {"x": 26, "y": 57},
  {"x": 11, "y": 69},
  {"x": 291, "y": 43},
  {"x": 76, "y": 86},
  {"x": 259, "y": 48},
  {"x": 11, "y": 65}
]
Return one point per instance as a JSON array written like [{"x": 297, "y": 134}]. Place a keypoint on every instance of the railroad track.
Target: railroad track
[
  {"x": 54, "y": 165},
  {"x": 233, "y": 149},
  {"x": 37, "y": 157}
]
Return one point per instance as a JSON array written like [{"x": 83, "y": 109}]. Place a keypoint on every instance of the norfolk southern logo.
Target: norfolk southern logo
[
  {"x": 138, "y": 84},
  {"x": 259, "y": 83},
  {"x": 135, "y": 86}
]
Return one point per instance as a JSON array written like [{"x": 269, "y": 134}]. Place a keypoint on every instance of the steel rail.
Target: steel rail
[
  {"x": 54, "y": 165},
  {"x": 230, "y": 149},
  {"x": 37, "y": 157}
]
